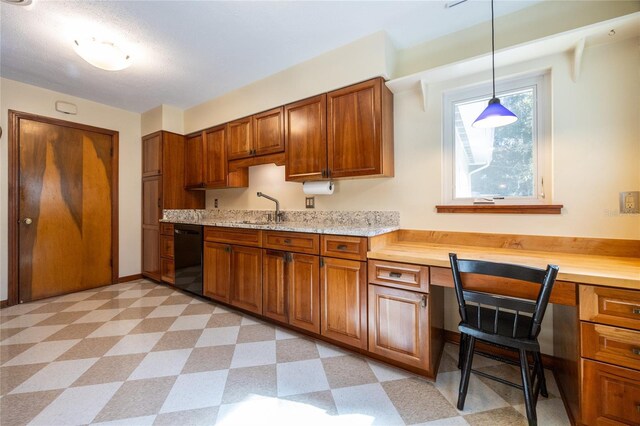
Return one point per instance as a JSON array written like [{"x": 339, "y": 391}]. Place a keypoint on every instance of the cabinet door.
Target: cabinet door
[
  {"x": 399, "y": 325},
  {"x": 306, "y": 139},
  {"x": 193, "y": 161},
  {"x": 217, "y": 271},
  {"x": 304, "y": 292},
  {"x": 268, "y": 130},
  {"x": 343, "y": 290},
  {"x": 246, "y": 278},
  {"x": 215, "y": 160},
  {"x": 354, "y": 130},
  {"x": 152, "y": 154},
  {"x": 610, "y": 394},
  {"x": 150, "y": 253},
  {"x": 151, "y": 202},
  {"x": 239, "y": 139},
  {"x": 274, "y": 282}
]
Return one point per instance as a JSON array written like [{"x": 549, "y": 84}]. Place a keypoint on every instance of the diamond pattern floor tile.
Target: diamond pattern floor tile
[{"x": 140, "y": 353}]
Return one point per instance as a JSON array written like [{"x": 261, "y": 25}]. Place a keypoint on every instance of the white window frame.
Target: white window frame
[{"x": 541, "y": 81}]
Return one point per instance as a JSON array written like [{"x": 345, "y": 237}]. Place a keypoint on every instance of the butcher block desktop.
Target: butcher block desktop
[{"x": 596, "y": 306}]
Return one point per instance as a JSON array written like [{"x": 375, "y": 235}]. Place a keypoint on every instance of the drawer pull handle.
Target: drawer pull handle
[
  {"x": 636, "y": 311},
  {"x": 342, "y": 246},
  {"x": 395, "y": 274},
  {"x": 287, "y": 241},
  {"x": 636, "y": 351}
]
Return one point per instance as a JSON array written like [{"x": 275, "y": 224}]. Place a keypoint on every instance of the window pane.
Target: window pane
[{"x": 496, "y": 162}]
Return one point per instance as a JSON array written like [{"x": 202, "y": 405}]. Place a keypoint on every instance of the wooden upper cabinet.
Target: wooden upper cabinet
[
  {"x": 215, "y": 160},
  {"x": 268, "y": 129},
  {"x": 360, "y": 130},
  {"x": 193, "y": 160},
  {"x": 152, "y": 154},
  {"x": 239, "y": 138},
  {"x": 306, "y": 139}
]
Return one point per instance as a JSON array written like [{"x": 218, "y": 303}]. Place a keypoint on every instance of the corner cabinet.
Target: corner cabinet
[
  {"x": 346, "y": 133},
  {"x": 163, "y": 166},
  {"x": 206, "y": 165}
]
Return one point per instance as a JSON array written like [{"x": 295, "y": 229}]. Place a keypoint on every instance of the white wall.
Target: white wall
[{"x": 26, "y": 98}]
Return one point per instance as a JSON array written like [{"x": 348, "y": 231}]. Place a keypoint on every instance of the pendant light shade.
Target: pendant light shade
[{"x": 495, "y": 114}]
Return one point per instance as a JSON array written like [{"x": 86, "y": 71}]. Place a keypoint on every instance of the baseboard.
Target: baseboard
[
  {"x": 130, "y": 278},
  {"x": 454, "y": 337},
  {"x": 4, "y": 303}
]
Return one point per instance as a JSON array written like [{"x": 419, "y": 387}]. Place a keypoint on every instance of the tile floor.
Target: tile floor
[{"x": 140, "y": 353}]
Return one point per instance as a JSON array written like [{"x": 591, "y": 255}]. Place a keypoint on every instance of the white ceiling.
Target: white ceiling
[{"x": 186, "y": 52}]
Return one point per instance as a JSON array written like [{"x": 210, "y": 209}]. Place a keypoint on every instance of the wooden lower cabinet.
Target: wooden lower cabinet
[
  {"x": 610, "y": 394},
  {"x": 150, "y": 252},
  {"x": 217, "y": 271},
  {"x": 291, "y": 289},
  {"x": 246, "y": 278},
  {"x": 343, "y": 297},
  {"x": 168, "y": 270},
  {"x": 399, "y": 325}
]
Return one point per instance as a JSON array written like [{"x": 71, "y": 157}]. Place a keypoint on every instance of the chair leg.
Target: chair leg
[
  {"x": 466, "y": 371},
  {"x": 541, "y": 378},
  {"x": 528, "y": 390},
  {"x": 461, "y": 351}
]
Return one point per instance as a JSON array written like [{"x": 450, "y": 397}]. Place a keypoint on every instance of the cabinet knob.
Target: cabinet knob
[
  {"x": 287, "y": 241},
  {"x": 635, "y": 351},
  {"x": 423, "y": 302},
  {"x": 636, "y": 311},
  {"x": 342, "y": 246}
]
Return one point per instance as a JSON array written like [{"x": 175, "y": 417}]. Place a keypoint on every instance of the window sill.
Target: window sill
[{"x": 502, "y": 208}]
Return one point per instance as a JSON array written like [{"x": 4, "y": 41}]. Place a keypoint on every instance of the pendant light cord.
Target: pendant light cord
[{"x": 493, "y": 53}]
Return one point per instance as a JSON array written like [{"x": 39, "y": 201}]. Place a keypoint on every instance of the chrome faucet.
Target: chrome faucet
[{"x": 279, "y": 215}]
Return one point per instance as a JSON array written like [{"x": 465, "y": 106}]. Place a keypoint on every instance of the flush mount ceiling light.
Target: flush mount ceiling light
[
  {"x": 102, "y": 54},
  {"x": 494, "y": 115},
  {"x": 18, "y": 2}
]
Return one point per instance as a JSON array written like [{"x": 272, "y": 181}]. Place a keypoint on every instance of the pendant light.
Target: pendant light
[{"x": 494, "y": 115}]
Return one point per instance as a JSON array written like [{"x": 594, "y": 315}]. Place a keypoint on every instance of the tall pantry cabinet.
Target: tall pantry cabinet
[{"x": 162, "y": 188}]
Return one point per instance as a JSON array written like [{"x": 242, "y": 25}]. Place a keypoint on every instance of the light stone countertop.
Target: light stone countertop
[{"x": 361, "y": 223}]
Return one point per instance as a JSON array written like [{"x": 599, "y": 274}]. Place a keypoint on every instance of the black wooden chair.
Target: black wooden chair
[{"x": 506, "y": 322}]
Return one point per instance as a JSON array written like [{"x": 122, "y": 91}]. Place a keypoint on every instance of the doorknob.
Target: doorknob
[{"x": 27, "y": 221}]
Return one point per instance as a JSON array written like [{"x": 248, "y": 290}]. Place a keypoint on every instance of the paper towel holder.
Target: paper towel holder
[{"x": 318, "y": 187}]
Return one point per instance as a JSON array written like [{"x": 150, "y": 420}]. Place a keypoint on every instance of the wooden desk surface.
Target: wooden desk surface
[{"x": 622, "y": 272}]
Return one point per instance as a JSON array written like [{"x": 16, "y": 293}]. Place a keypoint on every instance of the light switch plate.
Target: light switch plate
[
  {"x": 630, "y": 202},
  {"x": 310, "y": 202}
]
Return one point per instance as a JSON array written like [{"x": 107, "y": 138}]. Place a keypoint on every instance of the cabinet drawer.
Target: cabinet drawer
[
  {"x": 399, "y": 275},
  {"x": 245, "y": 237},
  {"x": 166, "y": 246},
  {"x": 168, "y": 270},
  {"x": 344, "y": 247},
  {"x": 611, "y": 344},
  {"x": 610, "y": 395},
  {"x": 610, "y": 306},
  {"x": 292, "y": 241}
]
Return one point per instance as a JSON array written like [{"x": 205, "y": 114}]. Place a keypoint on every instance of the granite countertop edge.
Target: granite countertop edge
[{"x": 359, "y": 231}]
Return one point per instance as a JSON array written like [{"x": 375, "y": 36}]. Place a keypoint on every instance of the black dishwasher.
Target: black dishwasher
[{"x": 188, "y": 257}]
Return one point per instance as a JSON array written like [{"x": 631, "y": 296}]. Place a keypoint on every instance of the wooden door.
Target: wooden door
[
  {"x": 239, "y": 139},
  {"x": 305, "y": 136},
  {"x": 246, "y": 278},
  {"x": 151, "y": 215},
  {"x": 193, "y": 161},
  {"x": 274, "y": 285},
  {"x": 354, "y": 130},
  {"x": 304, "y": 292},
  {"x": 215, "y": 160},
  {"x": 65, "y": 188},
  {"x": 217, "y": 271},
  {"x": 152, "y": 154},
  {"x": 399, "y": 325},
  {"x": 343, "y": 290},
  {"x": 268, "y": 130}
]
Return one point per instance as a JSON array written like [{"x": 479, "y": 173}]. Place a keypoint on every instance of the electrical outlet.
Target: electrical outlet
[
  {"x": 310, "y": 202},
  {"x": 215, "y": 203},
  {"x": 630, "y": 202}
]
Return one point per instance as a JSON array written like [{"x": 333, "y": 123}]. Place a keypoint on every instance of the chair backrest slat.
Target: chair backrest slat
[{"x": 543, "y": 277}]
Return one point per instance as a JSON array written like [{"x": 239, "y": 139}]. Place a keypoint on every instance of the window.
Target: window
[{"x": 508, "y": 163}]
